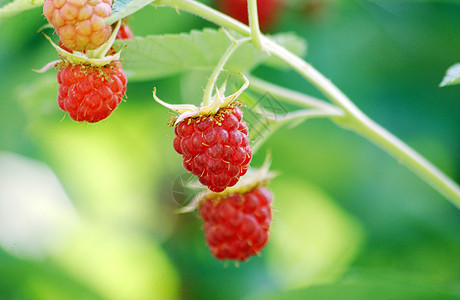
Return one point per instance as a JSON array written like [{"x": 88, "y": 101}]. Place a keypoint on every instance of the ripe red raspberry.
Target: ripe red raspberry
[
  {"x": 236, "y": 226},
  {"x": 215, "y": 148},
  {"x": 79, "y": 22},
  {"x": 89, "y": 93},
  {"x": 268, "y": 11}
]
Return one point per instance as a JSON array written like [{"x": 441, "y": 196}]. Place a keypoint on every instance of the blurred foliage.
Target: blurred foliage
[
  {"x": 350, "y": 222},
  {"x": 9, "y": 8},
  {"x": 372, "y": 286},
  {"x": 159, "y": 56}
]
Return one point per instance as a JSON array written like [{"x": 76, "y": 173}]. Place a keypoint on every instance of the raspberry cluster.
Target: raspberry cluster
[
  {"x": 237, "y": 226},
  {"x": 215, "y": 148},
  {"x": 88, "y": 93},
  {"x": 79, "y": 22},
  {"x": 88, "y": 90}
]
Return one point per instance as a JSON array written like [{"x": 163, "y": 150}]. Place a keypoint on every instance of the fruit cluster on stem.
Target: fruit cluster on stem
[
  {"x": 90, "y": 76},
  {"x": 212, "y": 138}
]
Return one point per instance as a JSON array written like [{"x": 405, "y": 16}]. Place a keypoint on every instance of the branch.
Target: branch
[
  {"x": 254, "y": 24},
  {"x": 352, "y": 119}
]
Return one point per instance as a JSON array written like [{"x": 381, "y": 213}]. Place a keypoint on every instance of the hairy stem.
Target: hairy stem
[
  {"x": 254, "y": 24},
  {"x": 352, "y": 119},
  {"x": 407, "y": 156},
  {"x": 266, "y": 128},
  {"x": 291, "y": 96},
  {"x": 219, "y": 67}
]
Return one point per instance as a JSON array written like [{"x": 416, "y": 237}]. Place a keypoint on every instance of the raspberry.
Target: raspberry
[
  {"x": 236, "y": 226},
  {"x": 124, "y": 33},
  {"x": 89, "y": 93},
  {"x": 215, "y": 148},
  {"x": 79, "y": 22}
]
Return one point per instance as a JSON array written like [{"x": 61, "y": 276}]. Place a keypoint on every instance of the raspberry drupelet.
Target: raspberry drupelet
[
  {"x": 215, "y": 148},
  {"x": 237, "y": 225}
]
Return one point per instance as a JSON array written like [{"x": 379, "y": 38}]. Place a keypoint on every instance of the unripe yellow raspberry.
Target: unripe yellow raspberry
[{"x": 79, "y": 22}]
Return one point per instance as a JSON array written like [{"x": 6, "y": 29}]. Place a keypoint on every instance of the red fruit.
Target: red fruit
[
  {"x": 268, "y": 11},
  {"x": 89, "y": 93},
  {"x": 79, "y": 22},
  {"x": 236, "y": 226},
  {"x": 124, "y": 33},
  {"x": 215, "y": 148}
]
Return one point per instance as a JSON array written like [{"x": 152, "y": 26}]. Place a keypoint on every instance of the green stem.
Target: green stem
[
  {"x": 407, "y": 156},
  {"x": 219, "y": 67},
  {"x": 374, "y": 132},
  {"x": 356, "y": 120},
  {"x": 254, "y": 24},
  {"x": 353, "y": 118},
  {"x": 291, "y": 96},
  {"x": 207, "y": 13},
  {"x": 263, "y": 130}
]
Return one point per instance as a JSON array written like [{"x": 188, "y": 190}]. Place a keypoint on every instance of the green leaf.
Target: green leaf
[
  {"x": 124, "y": 8},
  {"x": 17, "y": 6},
  {"x": 5, "y": 2},
  {"x": 452, "y": 76},
  {"x": 155, "y": 57}
]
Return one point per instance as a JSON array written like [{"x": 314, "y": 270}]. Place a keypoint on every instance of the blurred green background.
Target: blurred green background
[{"x": 87, "y": 210}]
